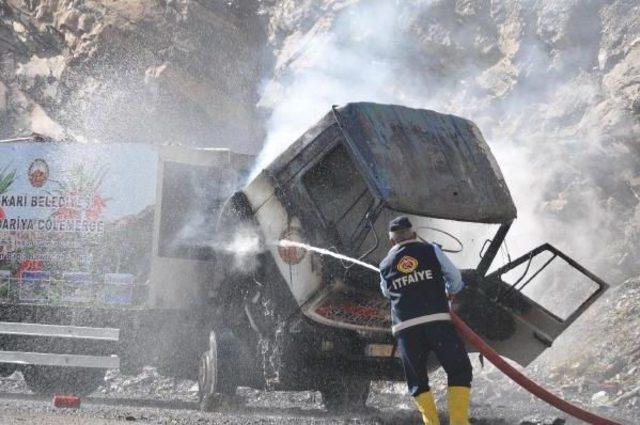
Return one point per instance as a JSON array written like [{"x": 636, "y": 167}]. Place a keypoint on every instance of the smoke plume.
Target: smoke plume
[{"x": 529, "y": 74}]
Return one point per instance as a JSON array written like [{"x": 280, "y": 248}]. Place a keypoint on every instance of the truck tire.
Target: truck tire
[
  {"x": 7, "y": 370},
  {"x": 63, "y": 380},
  {"x": 345, "y": 394},
  {"x": 217, "y": 381}
]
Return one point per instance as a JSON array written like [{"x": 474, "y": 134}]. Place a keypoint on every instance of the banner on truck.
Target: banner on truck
[{"x": 70, "y": 208}]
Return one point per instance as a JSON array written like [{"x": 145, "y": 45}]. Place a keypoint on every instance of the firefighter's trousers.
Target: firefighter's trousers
[{"x": 415, "y": 345}]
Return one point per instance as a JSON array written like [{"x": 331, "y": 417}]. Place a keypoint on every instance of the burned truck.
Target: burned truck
[
  {"x": 231, "y": 302},
  {"x": 308, "y": 321}
]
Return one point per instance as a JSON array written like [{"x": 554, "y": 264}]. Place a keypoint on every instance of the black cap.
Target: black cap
[{"x": 400, "y": 223}]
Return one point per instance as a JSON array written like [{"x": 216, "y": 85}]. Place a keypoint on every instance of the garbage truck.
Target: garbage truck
[{"x": 201, "y": 280}]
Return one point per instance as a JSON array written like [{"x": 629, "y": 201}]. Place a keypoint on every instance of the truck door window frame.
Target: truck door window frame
[{"x": 530, "y": 275}]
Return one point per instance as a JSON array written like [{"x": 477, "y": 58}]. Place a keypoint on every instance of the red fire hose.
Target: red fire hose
[
  {"x": 521, "y": 379},
  {"x": 525, "y": 382}
]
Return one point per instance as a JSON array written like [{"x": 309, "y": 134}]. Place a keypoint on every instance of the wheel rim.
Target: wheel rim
[
  {"x": 201, "y": 373},
  {"x": 208, "y": 369},
  {"x": 203, "y": 376}
]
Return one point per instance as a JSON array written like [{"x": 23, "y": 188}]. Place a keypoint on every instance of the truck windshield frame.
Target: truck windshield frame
[{"x": 346, "y": 211}]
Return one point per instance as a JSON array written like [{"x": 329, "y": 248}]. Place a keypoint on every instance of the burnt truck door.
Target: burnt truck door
[{"x": 524, "y": 305}]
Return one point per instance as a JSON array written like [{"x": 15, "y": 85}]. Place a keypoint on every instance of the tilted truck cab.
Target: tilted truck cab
[{"x": 323, "y": 321}]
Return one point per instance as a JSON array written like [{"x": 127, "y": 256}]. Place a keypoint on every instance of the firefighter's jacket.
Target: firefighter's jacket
[{"x": 416, "y": 277}]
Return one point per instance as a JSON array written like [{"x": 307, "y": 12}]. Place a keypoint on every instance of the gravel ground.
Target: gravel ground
[
  {"x": 93, "y": 412},
  {"x": 152, "y": 399}
]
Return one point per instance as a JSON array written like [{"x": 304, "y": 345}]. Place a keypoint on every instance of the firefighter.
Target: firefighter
[{"x": 416, "y": 276}]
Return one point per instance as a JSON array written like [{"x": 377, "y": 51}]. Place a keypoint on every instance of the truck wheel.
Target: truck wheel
[
  {"x": 63, "y": 380},
  {"x": 216, "y": 383},
  {"x": 7, "y": 370},
  {"x": 342, "y": 394}
]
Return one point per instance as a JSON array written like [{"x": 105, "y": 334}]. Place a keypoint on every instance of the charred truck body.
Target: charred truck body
[{"x": 234, "y": 307}]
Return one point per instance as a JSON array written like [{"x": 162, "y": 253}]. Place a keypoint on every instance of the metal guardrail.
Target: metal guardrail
[
  {"x": 76, "y": 288},
  {"x": 64, "y": 360},
  {"x": 80, "y": 333},
  {"x": 59, "y": 331}
]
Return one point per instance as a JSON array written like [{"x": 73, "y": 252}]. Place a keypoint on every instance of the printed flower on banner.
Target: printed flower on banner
[
  {"x": 98, "y": 204},
  {"x": 82, "y": 187},
  {"x": 29, "y": 266},
  {"x": 6, "y": 180}
]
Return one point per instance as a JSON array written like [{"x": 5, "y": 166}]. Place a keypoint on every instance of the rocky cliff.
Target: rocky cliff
[{"x": 177, "y": 71}]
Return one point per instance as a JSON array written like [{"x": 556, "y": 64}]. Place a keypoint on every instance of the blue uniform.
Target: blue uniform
[{"x": 416, "y": 277}]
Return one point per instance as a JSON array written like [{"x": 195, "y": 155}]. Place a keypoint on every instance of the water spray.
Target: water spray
[
  {"x": 284, "y": 243},
  {"x": 482, "y": 347}
]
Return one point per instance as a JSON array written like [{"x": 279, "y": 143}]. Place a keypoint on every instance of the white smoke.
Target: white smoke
[
  {"x": 240, "y": 244},
  {"x": 539, "y": 105},
  {"x": 352, "y": 62},
  {"x": 244, "y": 245}
]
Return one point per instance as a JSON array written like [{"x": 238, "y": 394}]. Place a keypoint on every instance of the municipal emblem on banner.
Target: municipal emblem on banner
[
  {"x": 407, "y": 264},
  {"x": 38, "y": 173}
]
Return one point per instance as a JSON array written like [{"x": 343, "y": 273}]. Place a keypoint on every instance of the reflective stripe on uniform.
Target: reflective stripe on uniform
[{"x": 419, "y": 321}]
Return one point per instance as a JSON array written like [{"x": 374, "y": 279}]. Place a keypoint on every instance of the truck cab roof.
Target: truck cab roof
[{"x": 393, "y": 147}]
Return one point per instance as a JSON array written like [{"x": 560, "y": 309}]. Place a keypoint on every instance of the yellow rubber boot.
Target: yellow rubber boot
[
  {"x": 459, "y": 405},
  {"x": 427, "y": 407}
]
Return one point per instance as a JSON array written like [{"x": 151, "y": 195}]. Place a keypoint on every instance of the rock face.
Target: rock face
[
  {"x": 171, "y": 71},
  {"x": 554, "y": 86}
]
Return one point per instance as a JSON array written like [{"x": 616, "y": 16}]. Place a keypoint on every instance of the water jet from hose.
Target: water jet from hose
[{"x": 284, "y": 243}]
